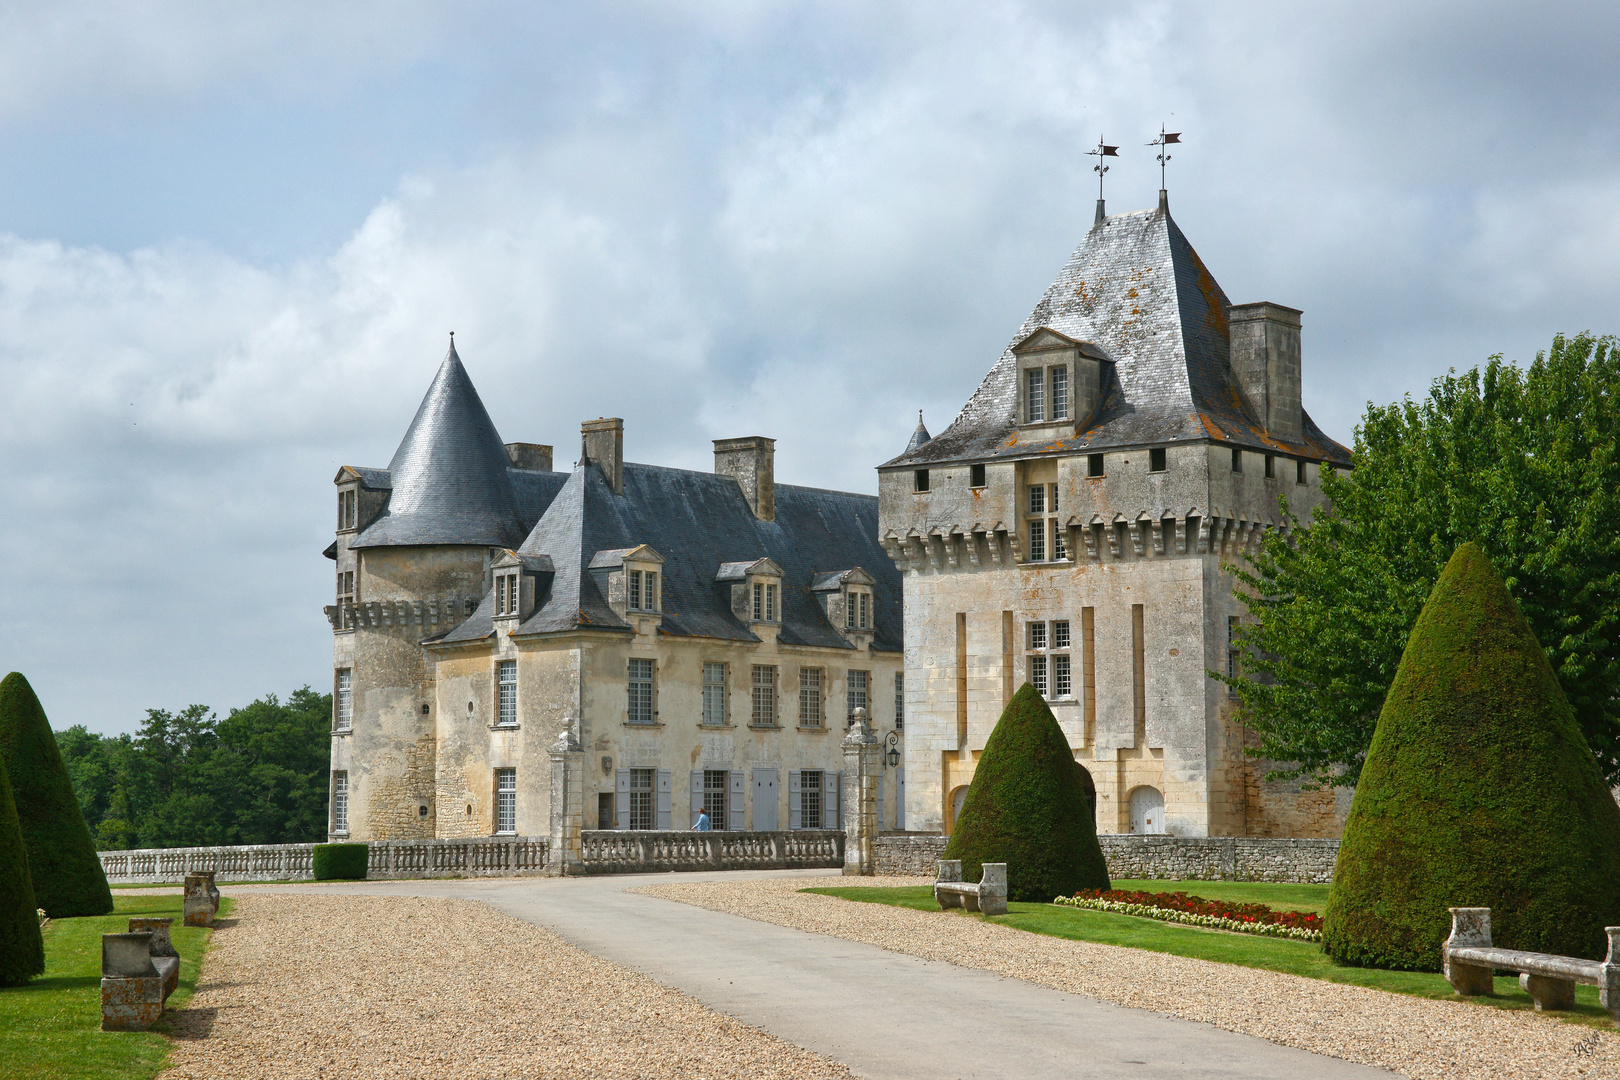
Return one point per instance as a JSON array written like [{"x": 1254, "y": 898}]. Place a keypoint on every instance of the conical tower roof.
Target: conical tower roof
[
  {"x": 450, "y": 484},
  {"x": 920, "y": 437}
]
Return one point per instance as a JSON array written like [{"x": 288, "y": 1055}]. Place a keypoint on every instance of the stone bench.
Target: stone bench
[
  {"x": 137, "y": 978},
  {"x": 988, "y": 897},
  {"x": 1471, "y": 960}
]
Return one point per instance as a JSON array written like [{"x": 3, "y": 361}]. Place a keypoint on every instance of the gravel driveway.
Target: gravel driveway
[
  {"x": 402, "y": 987},
  {"x": 1422, "y": 1039}
]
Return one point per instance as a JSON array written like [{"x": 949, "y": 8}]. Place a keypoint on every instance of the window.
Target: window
[
  {"x": 920, "y": 480},
  {"x": 1271, "y": 466},
  {"x": 1037, "y": 498},
  {"x": 347, "y": 515},
  {"x": 1060, "y": 393},
  {"x": 506, "y": 693},
  {"x": 764, "y": 696},
  {"x": 899, "y": 701},
  {"x": 714, "y": 797},
  {"x": 506, "y": 801},
  {"x": 810, "y": 711},
  {"x": 1037, "y": 636},
  {"x": 1060, "y": 633},
  {"x": 976, "y": 475},
  {"x": 1050, "y": 669},
  {"x": 641, "y": 691},
  {"x": 764, "y": 602},
  {"x": 642, "y": 592},
  {"x": 1062, "y": 681},
  {"x": 1058, "y": 550},
  {"x": 1034, "y": 396},
  {"x": 506, "y": 594},
  {"x": 343, "y": 702},
  {"x": 1094, "y": 465},
  {"x": 1299, "y": 472},
  {"x": 1232, "y": 623},
  {"x": 1156, "y": 459},
  {"x": 340, "y": 802},
  {"x": 855, "y": 693},
  {"x": 714, "y": 694},
  {"x": 866, "y": 611},
  {"x": 858, "y": 610},
  {"x": 345, "y": 597},
  {"x": 1037, "y": 674},
  {"x": 1045, "y": 535},
  {"x": 633, "y": 600},
  {"x": 641, "y": 798},
  {"x": 1237, "y": 460},
  {"x": 810, "y": 799}
]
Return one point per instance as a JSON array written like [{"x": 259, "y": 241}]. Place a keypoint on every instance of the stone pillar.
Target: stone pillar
[
  {"x": 862, "y": 759},
  {"x": 567, "y": 804}
]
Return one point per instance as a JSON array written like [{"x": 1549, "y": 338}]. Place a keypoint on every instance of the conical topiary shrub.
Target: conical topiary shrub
[
  {"x": 68, "y": 879},
  {"x": 22, "y": 951},
  {"x": 1028, "y": 807},
  {"x": 1478, "y": 791}
]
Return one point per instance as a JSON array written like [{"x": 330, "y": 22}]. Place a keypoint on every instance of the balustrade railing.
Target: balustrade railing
[
  {"x": 495, "y": 856},
  {"x": 620, "y": 851}
]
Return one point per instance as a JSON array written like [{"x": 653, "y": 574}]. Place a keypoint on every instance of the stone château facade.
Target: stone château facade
[
  {"x": 694, "y": 639},
  {"x": 1074, "y": 527}
]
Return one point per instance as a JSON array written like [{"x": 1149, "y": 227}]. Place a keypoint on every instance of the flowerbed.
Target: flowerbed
[{"x": 1196, "y": 911}]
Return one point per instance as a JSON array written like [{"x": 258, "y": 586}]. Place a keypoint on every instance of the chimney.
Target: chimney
[
  {"x": 602, "y": 441},
  {"x": 1264, "y": 340},
  {"x": 752, "y": 462},
  {"x": 527, "y": 455}
]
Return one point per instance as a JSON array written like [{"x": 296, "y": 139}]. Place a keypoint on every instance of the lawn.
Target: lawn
[
  {"x": 51, "y": 1028},
  {"x": 1246, "y": 950}
]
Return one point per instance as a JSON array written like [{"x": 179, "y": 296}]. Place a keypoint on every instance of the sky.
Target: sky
[{"x": 233, "y": 238}]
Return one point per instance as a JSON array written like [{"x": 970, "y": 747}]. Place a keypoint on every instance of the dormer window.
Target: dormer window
[
  {"x": 507, "y": 594},
  {"x": 642, "y": 590},
  {"x": 348, "y": 511},
  {"x": 858, "y": 610},
  {"x": 764, "y": 601},
  {"x": 1035, "y": 396}
]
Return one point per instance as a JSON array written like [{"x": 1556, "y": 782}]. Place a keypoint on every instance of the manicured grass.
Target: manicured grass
[
  {"x": 1246, "y": 950},
  {"x": 50, "y": 1029}
]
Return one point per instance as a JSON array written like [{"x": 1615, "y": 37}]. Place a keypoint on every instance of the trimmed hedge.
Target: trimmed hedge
[
  {"x": 1478, "y": 791},
  {"x": 1031, "y": 806},
  {"x": 22, "y": 949},
  {"x": 68, "y": 880},
  {"x": 341, "y": 862}
]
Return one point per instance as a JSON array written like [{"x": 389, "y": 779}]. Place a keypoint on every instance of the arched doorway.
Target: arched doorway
[
  {"x": 1147, "y": 810},
  {"x": 958, "y": 797}
]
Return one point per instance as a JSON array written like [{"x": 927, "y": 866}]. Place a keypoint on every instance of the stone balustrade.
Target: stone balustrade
[
  {"x": 621, "y": 851},
  {"x": 493, "y": 856}
]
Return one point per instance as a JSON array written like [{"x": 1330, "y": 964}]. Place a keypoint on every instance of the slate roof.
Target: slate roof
[
  {"x": 1136, "y": 288},
  {"x": 451, "y": 481},
  {"x": 699, "y": 522},
  {"x": 920, "y": 437}
]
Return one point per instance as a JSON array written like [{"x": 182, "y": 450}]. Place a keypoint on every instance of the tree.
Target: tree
[
  {"x": 22, "y": 950},
  {"x": 62, "y": 860},
  {"x": 1478, "y": 791},
  {"x": 1028, "y": 807},
  {"x": 1523, "y": 463}
]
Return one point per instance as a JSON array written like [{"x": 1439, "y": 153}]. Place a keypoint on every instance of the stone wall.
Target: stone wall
[
  {"x": 505, "y": 856},
  {"x": 1218, "y": 858}
]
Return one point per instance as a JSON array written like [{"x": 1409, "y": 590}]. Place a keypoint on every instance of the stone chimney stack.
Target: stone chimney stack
[
  {"x": 752, "y": 462},
  {"x": 602, "y": 441},
  {"x": 528, "y": 455},
  {"x": 1264, "y": 341}
]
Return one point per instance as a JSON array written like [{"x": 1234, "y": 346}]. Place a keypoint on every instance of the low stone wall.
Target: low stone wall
[
  {"x": 495, "y": 856},
  {"x": 1214, "y": 858},
  {"x": 620, "y": 851}
]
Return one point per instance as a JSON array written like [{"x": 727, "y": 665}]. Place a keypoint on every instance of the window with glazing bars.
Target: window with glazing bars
[
  {"x": 810, "y": 714},
  {"x": 855, "y": 691},
  {"x": 764, "y": 602},
  {"x": 506, "y": 594},
  {"x": 714, "y": 694},
  {"x": 1037, "y": 674},
  {"x": 643, "y": 591},
  {"x": 346, "y": 509},
  {"x": 641, "y": 692},
  {"x": 1060, "y": 393},
  {"x": 714, "y": 797},
  {"x": 641, "y": 798},
  {"x": 343, "y": 701},
  {"x": 899, "y": 701},
  {"x": 764, "y": 695},
  {"x": 1034, "y": 396},
  {"x": 506, "y": 693},
  {"x": 1062, "y": 680},
  {"x": 506, "y": 800},
  {"x": 345, "y": 596},
  {"x": 340, "y": 802},
  {"x": 810, "y": 799}
]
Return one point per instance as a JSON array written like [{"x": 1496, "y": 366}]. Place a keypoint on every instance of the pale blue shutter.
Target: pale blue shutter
[
  {"x": 793, "y": 800},
  {"x": 697, "y": 795},
  {"x": 831, "y": 801},
  {"x": 734, "y": 803},
  {"x": 621, "y": 800},
  {"x": 880, "y": 802},
  {"x": 661, "y": 820},
  {"x": 899, "y": 798}
]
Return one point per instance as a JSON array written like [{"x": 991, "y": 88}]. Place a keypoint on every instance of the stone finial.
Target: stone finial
[
  {"x": 860, "y": 729},
  {"x": 567, "y": 741}
]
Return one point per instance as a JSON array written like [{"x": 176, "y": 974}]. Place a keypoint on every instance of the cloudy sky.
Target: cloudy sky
[{"x": 233, "y": 237}]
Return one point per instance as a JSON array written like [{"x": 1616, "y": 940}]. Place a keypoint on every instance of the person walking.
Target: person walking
[{"x": 702, "y": 823}]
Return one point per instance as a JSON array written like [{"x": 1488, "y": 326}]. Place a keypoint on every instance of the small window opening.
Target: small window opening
[
  {"x": 1156, "y": 460},
  {"x": 976, "y": 475},
  {"x": 921, "y": 480},
  {"x": 1237, "y": 460},
  {"x": 1094, "y": 465},
  {"x": 1299, "y": 472},
  {"x": 1271, "y": 466}
]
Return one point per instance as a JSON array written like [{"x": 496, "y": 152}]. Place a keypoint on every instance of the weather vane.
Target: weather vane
[
  {"x": 1102, "y": 151},
  {"x": 1165, "y": 139}
]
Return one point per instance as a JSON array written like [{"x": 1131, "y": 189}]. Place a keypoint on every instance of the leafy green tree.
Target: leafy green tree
[
  {"x": 22, "y": 950},
  {"x": 1522, "y": 462},
  {"x": 62, "y": 860}
]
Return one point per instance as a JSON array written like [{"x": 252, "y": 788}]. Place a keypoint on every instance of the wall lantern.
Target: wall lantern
[{"x": 894, "y": 758}]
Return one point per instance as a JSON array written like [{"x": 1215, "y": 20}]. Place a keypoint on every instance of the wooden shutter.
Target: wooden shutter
[
  {"x": 899, "y": 798},
  {"x": 621, "y": 799},
  {"x": 793, "y": 800},
  {"x": 831, "y": 803},
  {"x": 661, "y": 802},
  {"x": 697, "y": 795},
  {"x": 734, "y": 803}
]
